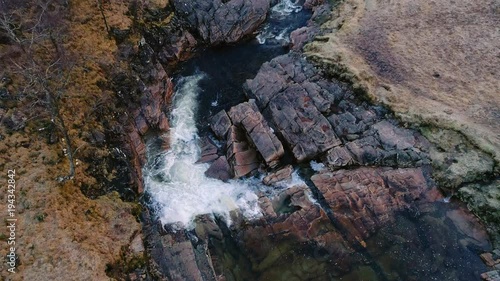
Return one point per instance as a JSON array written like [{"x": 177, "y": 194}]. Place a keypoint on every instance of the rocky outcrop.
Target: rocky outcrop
[
  {"x": 218, "y": 21},
  {"x": 290, "y": 91},
  {"x": 364, "y": 199},
  {"x": 314, "y": 116},
  {"x": 220, "y": 124},
  {"x": 247, "y": 116},
  {"x": 241, "y": 156},
  {"x": 220, "y": 169},
  {"x": 248, "y": 138},
  {"x": 156, "y": 90}
]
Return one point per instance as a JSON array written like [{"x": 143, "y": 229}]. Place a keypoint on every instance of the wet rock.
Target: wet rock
[
  {"x": 208, "y": 151},
  {"x": 490, "y": 259},
  {"x": 172, "y": 255},
  {"x": 275, "y": 241},
  {"x": 241, "y": 156},
  {"x": 364, "y": 199},
  {"x": 218, "y": 21},
  {"x": 483, "y": 199},
  {"x": 493, "y": 275},
  {"x": 279, "y": 175},
  {"x": 220, "y": 169},
  {"x": 141, "y": 124},
  {"x": 220, "y": 124},
  {"x": 259, "y": 133},
  {"x": 339, "y": 157}
]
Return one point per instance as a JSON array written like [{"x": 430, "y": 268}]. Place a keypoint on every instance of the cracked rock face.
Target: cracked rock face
[
  {"x": 217, "y": 21},
  {"x": 314, "y": 116}
]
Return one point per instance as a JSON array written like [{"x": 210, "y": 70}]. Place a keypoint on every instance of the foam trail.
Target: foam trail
[{"x": 179, "y": 189}]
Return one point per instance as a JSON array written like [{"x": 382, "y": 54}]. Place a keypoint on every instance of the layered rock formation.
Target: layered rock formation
[
  {"x": 314, "y": 116},
  {"x": 218, "y": 21}
]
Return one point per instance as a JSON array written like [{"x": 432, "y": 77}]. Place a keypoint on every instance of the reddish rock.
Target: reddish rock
[
  {"x": 259, "y": 133},
  {"x": 301, "y": 36},
  {"x": 493, "y": 275},
  {"x": 140, "y": 123},
  {"x": 279, "y": 175},
  {"x": 339, "y": 157},
  {"x": 208, "y": 151},
  {"x": 284, "y": 90},
  {"x": 220, "y": 169},
  {"x": 365, "y": 199},
  {"x": 241, "y": 156}
]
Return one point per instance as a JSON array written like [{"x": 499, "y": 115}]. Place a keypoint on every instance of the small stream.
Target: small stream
[{"x": 434, "y": 242}]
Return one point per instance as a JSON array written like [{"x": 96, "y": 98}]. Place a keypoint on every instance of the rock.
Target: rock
[
  {"x": 311, "y": 4},
  {"x": 259, "y": 133},
  {"x": 218, "y": 21},
  {"x": 489, "y": 260},
  {"x": 493, "y": 275},
  {"x": 287, "y": 89},
  {"x": 339, "y": 157},
  {"x": 172, "y": 255},
  {"x": 301, "y": 36},
  {"x": 98, "y": 137},
  {"x": 392, "y": 137},
  {"x": 298, "y": 225},
  {"x": 141, "y": 124},
  {"x": 279, "y": 175},
  {"x": 364, "y": 199},
  {"x": 484, "y": 201},
  {"x": 208, "y": 151},
  {"x": 220, "y": 169},
  {"x": 241, "y": 156},
  {"x": 16, "y": 121},
  {"x": 455, "y": 160},
  {"x": 220, "y": 124}
]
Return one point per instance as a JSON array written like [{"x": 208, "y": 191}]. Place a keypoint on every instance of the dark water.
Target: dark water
[
  {"x": 433, "y": 242},
  {"x": 227, "y": 68}
]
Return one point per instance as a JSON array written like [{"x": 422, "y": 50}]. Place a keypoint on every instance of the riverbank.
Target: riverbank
[{"x": 436, "y": 66}]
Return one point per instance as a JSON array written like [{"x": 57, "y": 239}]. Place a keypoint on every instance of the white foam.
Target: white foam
[
  {"x": 179, "y": 189},
  {"x": 279, "y": 11},
  {"x": 286, "y": 7},
  {"x": 317, "y": 167}
]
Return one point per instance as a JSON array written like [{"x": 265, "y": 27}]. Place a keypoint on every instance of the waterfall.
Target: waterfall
[{"x": 178, "y": 187}]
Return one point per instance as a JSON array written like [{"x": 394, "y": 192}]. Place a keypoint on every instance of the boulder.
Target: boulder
[{"x": 247, "y": 116}]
